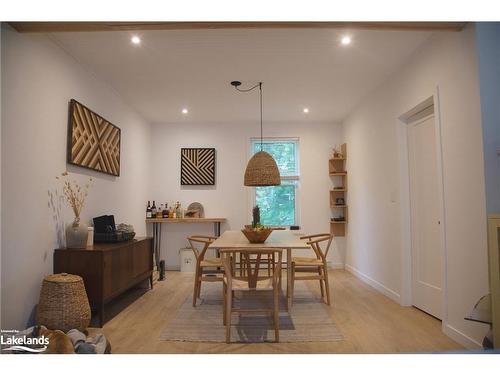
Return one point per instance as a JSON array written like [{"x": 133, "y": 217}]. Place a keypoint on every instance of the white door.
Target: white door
[{"x": 425, "y": 232}]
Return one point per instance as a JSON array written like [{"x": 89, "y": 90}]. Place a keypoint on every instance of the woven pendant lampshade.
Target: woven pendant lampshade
[{"x": 262, "y": 171}]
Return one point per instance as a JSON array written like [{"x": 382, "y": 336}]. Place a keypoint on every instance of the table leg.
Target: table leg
[
  {"x": 159, "y": 247},
  {"x": 157, "y": 244},
  {"x": 217, "y": 229},
  {"x": 288, "y": 278},
  {"x": 217, "y": 234}
]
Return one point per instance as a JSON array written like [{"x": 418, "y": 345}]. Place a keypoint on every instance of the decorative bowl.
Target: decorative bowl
[{"x": 256, "y": 236}]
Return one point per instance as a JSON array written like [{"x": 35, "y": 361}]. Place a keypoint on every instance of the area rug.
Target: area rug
[{"x": 309, "y": 320}]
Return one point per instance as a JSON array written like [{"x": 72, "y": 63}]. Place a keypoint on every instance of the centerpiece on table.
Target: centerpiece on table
[
  {"x": 75, "y": 195},
  {"x": 256, "y": 233}
]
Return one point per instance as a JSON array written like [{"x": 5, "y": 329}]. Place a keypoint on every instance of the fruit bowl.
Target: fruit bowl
[{"x": 258, "y": 235}]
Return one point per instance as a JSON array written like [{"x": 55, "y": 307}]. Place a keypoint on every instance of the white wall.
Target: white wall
[
  {"x": 375, "y": 243},
  {"x": 229, "y": 198},
  {"x": 38, "y": 80},
  {"x": 488, "y": 50}
]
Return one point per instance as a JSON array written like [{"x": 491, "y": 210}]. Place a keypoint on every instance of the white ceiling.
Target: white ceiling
[{"x": 170, "y": 70}]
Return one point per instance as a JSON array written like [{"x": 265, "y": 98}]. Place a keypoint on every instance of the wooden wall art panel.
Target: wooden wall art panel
[
  {"x": 93, "y": 142},
  {"x": 198, "y": 166}
]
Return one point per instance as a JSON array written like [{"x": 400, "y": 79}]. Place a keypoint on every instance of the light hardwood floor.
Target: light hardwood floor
[{"x": 370, "y": 322}]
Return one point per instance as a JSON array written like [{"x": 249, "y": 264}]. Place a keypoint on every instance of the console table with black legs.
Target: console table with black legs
[{"x": 187, "y": 220}]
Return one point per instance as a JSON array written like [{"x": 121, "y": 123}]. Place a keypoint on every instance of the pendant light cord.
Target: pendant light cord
[
  {"x": 260, "y": 91},
  {"x": 259, "y": 85}
]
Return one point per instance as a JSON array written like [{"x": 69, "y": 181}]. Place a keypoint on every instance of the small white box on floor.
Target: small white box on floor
[{"x": 188, "y": 261}]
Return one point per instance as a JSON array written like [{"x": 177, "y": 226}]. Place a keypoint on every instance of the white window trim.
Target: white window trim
[{"x": 286, "y": 178}]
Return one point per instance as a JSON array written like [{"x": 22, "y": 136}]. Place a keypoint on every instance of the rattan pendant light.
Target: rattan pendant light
[{"x": 262, "y": 169}]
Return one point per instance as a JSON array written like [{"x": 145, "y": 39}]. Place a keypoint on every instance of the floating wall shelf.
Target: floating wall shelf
[{"x": 337, "y": 170}]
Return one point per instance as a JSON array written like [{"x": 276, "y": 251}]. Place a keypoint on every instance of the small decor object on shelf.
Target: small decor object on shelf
[
  {"x": 196, "y": 206},
  {"x": 340, "y": 218},
  {"x": 93, "y": 142},
  {"x": 75, "y": 195},
  {"x": 197, "y": 166},
  {"x": 339, "y": 202},
  {"x": 195, "y": 214},
  {"x": 63, "y": 303},
  {"x": 336, "y": 154}
]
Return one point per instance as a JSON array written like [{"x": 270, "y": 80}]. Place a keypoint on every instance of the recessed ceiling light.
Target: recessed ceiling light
[
  {"x": 305, "y": 110},
  {"x": 135, "y": 40},
  {"x": 185, "y": 111},
  {"x": 346, "y": 40}
]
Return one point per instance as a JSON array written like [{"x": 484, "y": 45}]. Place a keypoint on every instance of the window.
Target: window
[{"x": 278, "y": 204}]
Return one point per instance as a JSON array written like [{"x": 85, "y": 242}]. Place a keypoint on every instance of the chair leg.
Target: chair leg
[
  {"x": 270, "y": 260},
  {"x": 327, "y": 285},
  {"x": 242, "y": 267},
  {"x": 276, "y": 314},
  {"x": 199, "y": 287},
  {"x": 229, "y": 307},
  {"x": 224, "y": 292},
  {"x": 321, "y": 283},
  {"x": 280, "y": 285},
  {"x": 195, "y": 289},
  {"x": 292, "y": 275}
]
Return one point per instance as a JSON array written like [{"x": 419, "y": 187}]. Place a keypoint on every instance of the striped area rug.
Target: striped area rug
[{"x": 309, "y": 320}]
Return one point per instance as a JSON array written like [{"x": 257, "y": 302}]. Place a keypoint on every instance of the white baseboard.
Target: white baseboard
[
  {"x": 375, "y": 284},
  {"x": 461, "y": 337},
  {"x": 336, "y": 266}
]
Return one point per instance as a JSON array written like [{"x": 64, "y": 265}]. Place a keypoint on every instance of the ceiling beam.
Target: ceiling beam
[{"x": 54, "y": 27}]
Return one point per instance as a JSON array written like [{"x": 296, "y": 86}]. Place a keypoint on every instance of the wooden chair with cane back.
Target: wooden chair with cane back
[
  {"x": 199, "y": 244},
  {"x": 270, "y": 260},
  {"x": 253, "y": 281},
  {"x": 316, "y": 268}
]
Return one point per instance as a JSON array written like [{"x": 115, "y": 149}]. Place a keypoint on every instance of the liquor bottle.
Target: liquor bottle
[
  {"x": 178, "y": 209},
  {"x": 153, "y": 210},
  {"x": 148, "y": 211},
  {"x": 160, "y": 211},
  {"x": 164, "y": 213}
]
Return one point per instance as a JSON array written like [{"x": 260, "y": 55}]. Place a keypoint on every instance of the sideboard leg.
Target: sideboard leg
[{"x": 101, "y": 315}]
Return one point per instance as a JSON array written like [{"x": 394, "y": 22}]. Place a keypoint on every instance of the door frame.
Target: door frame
[{"x": 406, "y": 235}]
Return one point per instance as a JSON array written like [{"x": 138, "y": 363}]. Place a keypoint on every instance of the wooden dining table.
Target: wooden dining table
[{"x": 279, "y": 239}]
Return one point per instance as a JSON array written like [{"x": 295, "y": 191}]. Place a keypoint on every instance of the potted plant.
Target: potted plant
[{"x": 256, "y": 233}]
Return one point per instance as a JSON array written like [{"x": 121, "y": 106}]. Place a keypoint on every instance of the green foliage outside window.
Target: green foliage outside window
[
  {"x": 283, "y": 153},
  {"x": 277, "y": 203}
]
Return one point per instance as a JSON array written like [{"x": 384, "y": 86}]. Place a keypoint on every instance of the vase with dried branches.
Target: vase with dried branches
[{"x": 75, "y": 195}]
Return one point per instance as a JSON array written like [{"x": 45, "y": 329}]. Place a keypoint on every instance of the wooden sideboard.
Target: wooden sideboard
[{"x": 108, "y": 269}]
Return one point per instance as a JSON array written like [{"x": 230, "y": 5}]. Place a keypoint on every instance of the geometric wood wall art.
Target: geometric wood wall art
[
  {"x": 93, "y": 142},
  {"x": 197, "y": 166}
]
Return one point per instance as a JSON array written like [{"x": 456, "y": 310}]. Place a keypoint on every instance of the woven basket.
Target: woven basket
[{"x": 63, "y": 303}]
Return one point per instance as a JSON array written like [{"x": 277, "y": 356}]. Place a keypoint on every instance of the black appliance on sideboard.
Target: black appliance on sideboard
[{"x": 105, "y": 230}]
